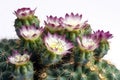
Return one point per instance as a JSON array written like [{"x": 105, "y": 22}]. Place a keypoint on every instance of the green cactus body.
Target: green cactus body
[
  {"x": 63, "y": 72},
  {"x": 26, "y": 22},
  {"x": 49, "y": 58},
  {"x": 87, "y": 30},
  {"x": 32, "y": 45},
  {"x": 9, "y": 45},
  {"x": 6, "y": 47},
  {"x": 101, "y": 50},
  {"x": 82, "y": 57},
  {"x": 72, "y": 72},
  {"x": 23, "y": 72},
  {"x": 67, "y": 71},
  {"x": 108, "y": 70}
]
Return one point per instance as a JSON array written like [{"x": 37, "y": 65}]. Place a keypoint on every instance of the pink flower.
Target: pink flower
[
  {"x": 24, "y": 13},
  {"x": 30, "y": 32},
  {"x": 53, "y": 23},
  {"x": 101, "y": 35},
  {"x": 73, "y": 22},
  {"x": 87, "y": 43},
  {"x": 57, "y": 44},
  {"x": 19, "y": 59}
]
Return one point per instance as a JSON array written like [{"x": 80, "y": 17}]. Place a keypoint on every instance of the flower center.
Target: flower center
[
  {"x": 56, "y": 46},
  {"x": 88, "y": 42},
  {"x": 29, "y": 33},
  {"x": 54, "y": 22},
  {"x": 19, "y": 58},
  {"x": 24, "y": 12},
  {"x": 72, "y": 22}
]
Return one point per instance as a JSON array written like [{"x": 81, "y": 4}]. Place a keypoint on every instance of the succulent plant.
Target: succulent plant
[
  {"x": 86, "y": 47},
  {"x": 30, "y": 36},
  {"x": 65, "y": 49},
  {"x": 57, "y": 46},
  {"x": 102, "y": 37},
  {"x": 25, "y": 17},
  {"x": 23, "y": 68}
]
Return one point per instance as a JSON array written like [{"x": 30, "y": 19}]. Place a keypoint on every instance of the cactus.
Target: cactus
[
  {"x": 103, "y": 44},
  {"x": 22, "y": 67},
  {"x": 64, "y": 49},
  {"x": 24, "y": 72},
  {"x": 6, "y": 47},
  {"x": 25, "y": 17}
]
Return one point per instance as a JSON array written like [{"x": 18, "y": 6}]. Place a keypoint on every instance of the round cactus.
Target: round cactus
[
  {"x": 25, "y": 17},
  {"x": 103, "y": 48},
  {"x": 23, "y": 68},
  {"x": 24, "y": 72}
]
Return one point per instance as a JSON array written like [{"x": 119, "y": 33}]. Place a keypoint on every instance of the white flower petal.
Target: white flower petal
[
  {"x": 19, "y": 59},
  {"x": 87, "y": 43},
  {"x": 30, "y": 32}
]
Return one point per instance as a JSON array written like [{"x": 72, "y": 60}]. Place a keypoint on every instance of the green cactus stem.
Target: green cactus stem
[
  {"x": 101, "y": 50},
  {"x": 23, "y": 72}
]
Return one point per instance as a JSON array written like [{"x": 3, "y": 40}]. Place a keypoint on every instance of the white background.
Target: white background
[{"x": 101, "y": 14}]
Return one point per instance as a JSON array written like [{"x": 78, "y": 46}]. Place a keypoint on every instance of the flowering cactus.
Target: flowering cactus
[
  {"x": 19, "y": 59},
  {"x": 71, "y": 24},
  {"x": 25, "y": 17},
  {"x": 66, "y": 49},
  {"x": 23, "y": 69},
  {"x": 57, "y": 47},
  {"x": 102, "y": 37},
  {"x": 30, "y": 36},
  {"x": 87, "y": 45}
]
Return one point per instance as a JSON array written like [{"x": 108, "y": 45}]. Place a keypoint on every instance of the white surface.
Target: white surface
[{"x": 101, "y": 14}]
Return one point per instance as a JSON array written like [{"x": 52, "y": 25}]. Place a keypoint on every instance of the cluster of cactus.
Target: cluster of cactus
[{"x": 64, "y": 49}]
